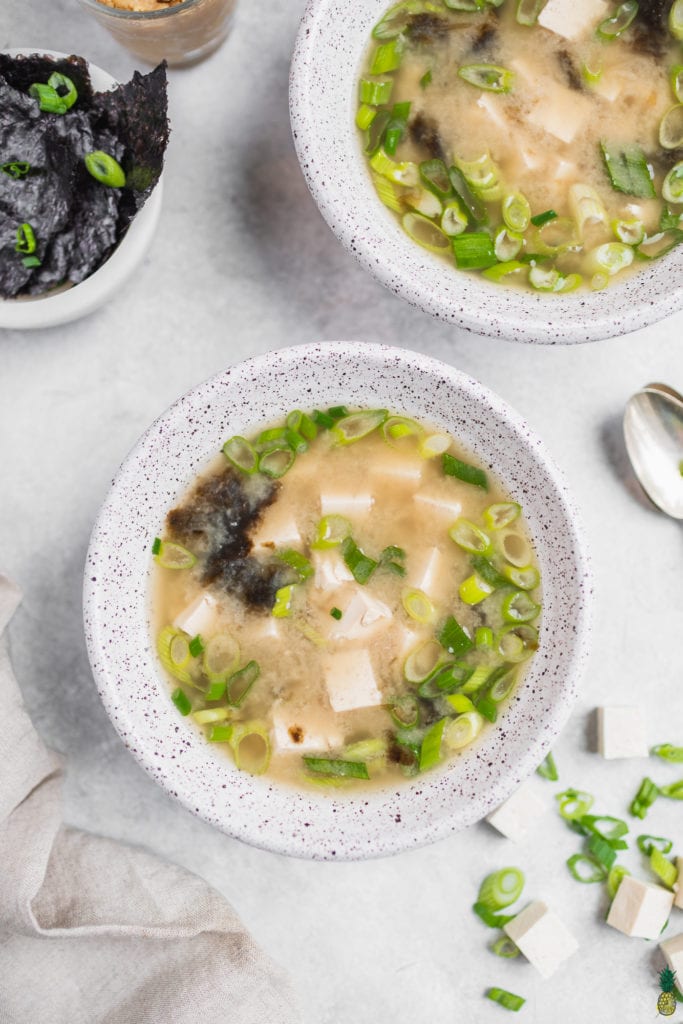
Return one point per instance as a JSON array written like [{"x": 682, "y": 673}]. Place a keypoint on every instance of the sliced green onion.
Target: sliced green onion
[
  {"x": 64, "y": 87},
  {"x": 241, "y": 454},
  {"x": 470, "y": 538},
  {"x": 332, "y": 531},
  {"x": 516, "y": 212},
  {"x": 454, "y": 219},
  {"x": 460, "y": 703},
  {"x": 518, "y": 607},
  {"x": 336, "y": 613},
  {"x": 421, "y": 662},
  {"x": 504, "y": 947},
  {"x": 338, "y": 412},
  {"x": 396, "y": 127},
  {"x": 215, "y": 690},
  {"x": 630, "y": 232},
  {"x": 672, "y": 187},
  {"x": 105, "y": 169},
  {"x": 506, "y": 999},
  {"x": 547, "y": 769},
  {"x": 674, "y": 790},
  {"x": 352, "y": 428},
  {"x": 525, "y": 578},
  {"x": 430, "y": 750},
  {"x": 426, "y": 79},
  {"x": 396, "y": 20},
  {"x": 298, "y": 562},
  {"x": 445, "y": 680},
  {"x": 337, "y": 767},
  {"x": 221, "y": 657},
  {"x": 434, "y": 175},
  {"x": 15, "y": 169},
  {"x": 464, "y": 471},
  {"x": 658, "y": 245},
  {"x": 240, "y": 683},
  {"x": 31, "y": 261},
  {"x": 644, "y": 798},
  {"x": 668, "y": 752},
  {"x": 481, "y": 675},
  {"x": 628, "y": 170},
  {"x": 208, "y": 716},
  {"x": 433, "y": 445},
  {"x": 250, "y": 743},
  {"x": 646, "y": 844},
  {"x": 276, "y": 461},
  {"x": 453, "y": 637},
  {"x": 676, "y": 79},
  {"x": 461, "y": 731},
  {"x": 506, "y": 245},
  {"x": 517, "y": 642},
  {"x": 612, "y": 27},
  {"x": 591, "y": 76},
  {"x": 405, "y": 711},
  {"x": 423, "y": 201},
  {"x": 490, "y": 918},
  {"x": 402, "y": 173},
  {"x": 426, "y": 233},
  {"x": 515, "y": 548},
  {"x": 174, "y": 556},
  {"x": 397, "y": 428},
  {"x": 26, "y": 239},
  {"x": 501, "y": 888},
  {"x": 502, "y": 687},
  {"x": 418, "y": 606},
  {"x": 386, "y": 193},
  {"x": 196, "y": 646},
  {"x": 387, "y": 57},
  {"x": 296, "y": 441},
  {"x": 374, "y": 137},
  {"x": 181, "y": 701},
  {"x": 475, "y": 207},
  {"x": 156, "y": 546},
  {"x": 610, "y": 258},
  {"x": 49, "y": 100},
  {"x": 221, "y": 733},
  {"x": 602, "y": 851},
  {"x": 616, "y": 873},
  {"x": 574, "y": 803},
  {"x": 360, "y": 565},
  {"x": 282, "y": 609},
  {"x": 473, "y": 251},
  {"x": 375, "y": 93},
  {"x": 501, "y": 514},
  {"x": 474, "y": 589},
  {"x": 663, "y": 868},
  {"x": 483, "y": 637},
  {"x": 490, "y": 77},
  {"x": 586, "y": 206},
  {"x": 543, "y": 218},
  {"x": 487, "y": 707},
  {"x": 606, "y": 827},
  {"x": 587, "y": 869},
  {"x": 528, "y": 11},
  {"x": 676, "y": 19},
  {"x": 365, "y": 115},
  {"x": 174, "y": 654}
]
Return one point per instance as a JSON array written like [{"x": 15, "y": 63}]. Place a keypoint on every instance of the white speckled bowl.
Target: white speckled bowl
[
  {"x": 65, "y": 305},
  {"x": 325, "y": 70},
  {"x": 159, "y": 470}
]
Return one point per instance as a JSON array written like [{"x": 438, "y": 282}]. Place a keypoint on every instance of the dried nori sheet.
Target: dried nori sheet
[{"x": 77, "y": 221}]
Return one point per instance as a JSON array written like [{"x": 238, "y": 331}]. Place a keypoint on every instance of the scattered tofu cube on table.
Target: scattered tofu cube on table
[
  {"x": 572, "y": 18},
  {"x": 621, "y": 732},
  {"x": 542, "y": 937},
  {"x": 350, "y": 680},
  {"x": 520, "y": 812},
  {"x": 198, "y": 617},
  {"x": 673, "y": 954},
  {"x": 640, "y": 909}
]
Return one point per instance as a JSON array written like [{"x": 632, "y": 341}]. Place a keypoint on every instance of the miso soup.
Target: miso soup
[
  {"x": 343, "y": 598},
  {"x": 537, "y": 143}
]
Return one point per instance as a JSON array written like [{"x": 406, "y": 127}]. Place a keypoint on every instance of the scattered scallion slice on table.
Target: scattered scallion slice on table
[{"x": 506, "y": 999}]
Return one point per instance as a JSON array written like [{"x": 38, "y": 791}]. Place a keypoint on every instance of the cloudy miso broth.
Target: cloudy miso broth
[
  {"x": 538, "y": 144},
  {"x": 343, "y": 599}
]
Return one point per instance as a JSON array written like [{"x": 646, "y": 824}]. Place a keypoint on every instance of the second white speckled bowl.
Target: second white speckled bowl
[
  {"x": 116, "y": 596},
  {"x": 324, "y": 78}
]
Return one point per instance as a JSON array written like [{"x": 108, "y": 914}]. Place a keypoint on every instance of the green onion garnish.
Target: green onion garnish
[
  {"x": 375, "y": 93},
  {"x": 501, "y": 888},
  {"x": 483, "y": 637},
  {"x": 488, "y": 572},
  {"x": 490, "y": 77},
  {"x": 628, "y": 170},
  {"x": 606, "y": 827},
  {"x": 282, "y": 609},
  {"x": 181, "y": 701},
  {"x": 392, "y": 558},
  {"x": 506, "y": 999},
  {"x": 26, "y": 239},
  {"x": 504, "y": 947},
  {"x": 644, "y": 798},
  {"x": 547, "y": 769},
  {"x": 396, "y": 127},
  {"x": 486, "y": 706},
  {"x": 405, "y": 711},
  {"x": 426, "y": 79},
  {"x": 240, "y": 683},
  {"x": 518, "y": 607},
  {"x": 322, "y": 420},
  {"x": 31, "y": 261},
  {"x": 586, "y": 868},
  {"x": 543, "y": 218},
  {"x": 474, "y": 590},
  {"x": 490, "y": 918},
  {"x": 668, "y": 752},
  {"x": 618, "y": 22},
  {"x": 196, "y": 646},
  {"x": 351, "y": 428},
  {"x": 528, "y": 11},
  {"x": 417, "y": 605},
  {"x": 336, "y": 613},
  {"x": 676, "y": 19},
  {"x": 574, "y": 803},
  {"x": 614, "y": 879},
  {"x": 516, "y": 212},
  {"x": 464, "y": 471},
  {"x": 473, "y": 250},
  {"x": 603, "y": 852},
  {"x": 430, "y": 750},
  {"x": 156, "y": 546},
  {"x": 434, "y": 175},
  {"x": 49, "y": 100},
  {"x": 220, "y": 733},
  {"x": 646, "y": 844},
  {"x": 170, "y": 555},
  {"x": 674, "y": 790},
  {"x": 215, "y": 690},
  {"x": 337, "y": 768},
  {"x": 15, "y": 169},
  {"x": 470, "y": 538},
  {"x": 276, "y": 460},
  {"x": 105, "y": 169},
  {"x": 332, "y": 530},
  {"x": 241, "y": 454},
  {"x": 453, "y": 637},
  {"x": 387, "y": 57},
  {"x": 64, "y": 87},
  {"x": 663, "y": 868},
  {"x": 360, "y": 565},
  {"x": 298, "y": 562}
]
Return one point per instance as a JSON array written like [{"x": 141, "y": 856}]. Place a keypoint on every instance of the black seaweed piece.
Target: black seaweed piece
[
  {"x": 484, "y": 35},
  {"x": 424, "y": 132},
  {"x": 427, "y": 28},
  {"x": 77, "y": 221},
  {"x": 572, "y": 75},
  {"x": 650, "y": 41},
  {"x": 654, "y": 13},
  {"x": 216, "y": 522}
]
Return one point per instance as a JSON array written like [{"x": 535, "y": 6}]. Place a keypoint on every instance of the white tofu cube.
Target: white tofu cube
[
  {"x": 492, "y": 108},
  {"x": 330, "y": 570},
  {"x": 277, "y": 529},
  {"x": 430, "y": 573},
  {"x": 520, "y": 812},
  {"x": 621, "y": 732},
  {"x": 435, "y": 502},
  {"x": 397, "y": 469},
  {"x": 563, "y": 170},
  {"x": 640, "y": 909},
  {"x": 350, "y": 680},
  {"x": 290, "y": 734},
  {"x": 673, "y": 954},
  {"x": 678, "y": 890},
  {"x": 542, "y": 937},
  {"x": 362, "y": 615},
  {"x": 560, "y": 111},
  {"x": 609, "y": 86},
  {"x": 346, "y": 503},
  {"x": 198, "y": 617},
  {"x": 269, "y": 628},
  {"x": 572, "y": 18}
]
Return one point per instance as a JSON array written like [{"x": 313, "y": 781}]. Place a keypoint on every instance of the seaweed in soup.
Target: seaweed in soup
[
  {"x": 77, "y": 221},
  {"x": 569, "y": 69},
  {"x": 654, "y": 14},
  {"x": 649, "y": 33},
  {"x": 484, "y": 36},
  {"x": 424, "y": 132},
  {"x": 427, "y": 28}
]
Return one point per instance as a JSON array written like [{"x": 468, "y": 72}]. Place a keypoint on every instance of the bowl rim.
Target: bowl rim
[
  {"x": 80, "y": 299},
  {"x": 329, "y": 164},
  {"x": 136, "y": 730}
]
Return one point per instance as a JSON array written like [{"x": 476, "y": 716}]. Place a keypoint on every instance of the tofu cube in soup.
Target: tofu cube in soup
[
  {"x": 350, "y": 680},
  {"x": 199, "y": 616}
]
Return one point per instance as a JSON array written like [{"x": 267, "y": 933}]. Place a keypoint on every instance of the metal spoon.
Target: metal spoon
[{"x": 653, "y": 431}]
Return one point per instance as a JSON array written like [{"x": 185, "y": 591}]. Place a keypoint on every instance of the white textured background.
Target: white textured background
[{"x": 243, "y": 263}]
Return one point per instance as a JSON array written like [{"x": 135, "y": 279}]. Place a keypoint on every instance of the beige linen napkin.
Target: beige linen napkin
[{"x": 95, "y": 932}]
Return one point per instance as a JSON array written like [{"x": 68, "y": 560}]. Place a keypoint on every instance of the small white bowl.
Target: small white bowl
[
  {"x": 117, "y": 623},
  {"x": 78, "y": 300},
  {"x": 326, "y": 67}
]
